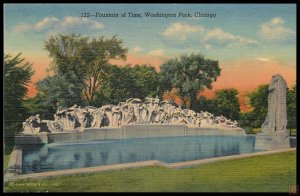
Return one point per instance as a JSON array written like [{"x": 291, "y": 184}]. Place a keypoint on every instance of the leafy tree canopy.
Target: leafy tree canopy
[
  {"x": 258, "y": 99},
  {"x": 204, "y": 104},
  {"x": 127, "y": 82},
  {"x": 292, "y": 107},
  {"x": 188, "y": 74},
  {"x": 17, "y": 74},
  {"x": 87, "y": 58},
  {"x": 227, "y": 104}
]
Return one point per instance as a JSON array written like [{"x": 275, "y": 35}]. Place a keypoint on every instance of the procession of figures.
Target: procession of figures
[{"x": 133, "y": 111}]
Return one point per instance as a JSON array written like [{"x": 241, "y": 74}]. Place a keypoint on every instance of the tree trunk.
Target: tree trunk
[
  {"x": 193, "y": 101},
  {"x": 183, "y": 105}
]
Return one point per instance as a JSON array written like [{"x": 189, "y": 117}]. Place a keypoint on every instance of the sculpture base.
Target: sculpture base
[
  {"x": 272, "y": 141},
  {"x": 40, "y": 138}
]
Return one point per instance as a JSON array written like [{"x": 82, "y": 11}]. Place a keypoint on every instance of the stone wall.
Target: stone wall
[{"x": 125, "y": 132}]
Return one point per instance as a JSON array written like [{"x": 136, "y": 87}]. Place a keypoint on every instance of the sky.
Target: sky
[{"x": 251, "y": 42}]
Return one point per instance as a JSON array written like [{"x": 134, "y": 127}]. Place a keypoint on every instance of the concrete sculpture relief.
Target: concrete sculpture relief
[
  {"x": 133, "y": 111},
  {"x": 276, "y": 119},
  {"x": 273, "y": 131},
  {"x": 32, "y": 125}
]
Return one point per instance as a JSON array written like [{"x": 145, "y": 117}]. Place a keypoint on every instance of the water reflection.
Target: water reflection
[
  {"x": 168, "y": 149},
  {"x": 104, "y": 157}
]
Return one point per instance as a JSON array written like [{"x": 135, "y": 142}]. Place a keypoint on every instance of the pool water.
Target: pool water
[{"x": 51, "y": 157}]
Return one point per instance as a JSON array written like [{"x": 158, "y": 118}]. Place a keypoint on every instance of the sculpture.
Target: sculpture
[
  {"x": 31, "y": 125},
  {"x": 97, "y": 117},
  {"x": 116, "y": 116},
  {"x": 273, "y": 133},
  {"x": 276, "y": 119},
  {"x": 35, "y": 125},
  {"x": 133, "y": 111}
]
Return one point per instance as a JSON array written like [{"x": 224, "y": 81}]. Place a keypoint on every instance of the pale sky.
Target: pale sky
[{"x": 252, "y": 42}]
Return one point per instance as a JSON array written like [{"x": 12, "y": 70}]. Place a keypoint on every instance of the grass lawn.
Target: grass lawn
[
  {"x": 268, "y": 173},
  {"x": 292, "y": 132},
  {"x": 256, "y": 130},
  {"x": 6, "y": 160}
]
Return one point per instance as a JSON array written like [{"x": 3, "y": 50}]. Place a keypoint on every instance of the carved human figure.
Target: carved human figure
[
  {"x": 169, "y": 110},
  {"x": 192, "y": 118},
  {"x": 235, "y": 124},
  {"x": 198, "y": 120},
  {"x": 156, "y": 100},
  {"x": 173, "y": 117},
  {"x": 70, "y": 119},
  {"x": 211, "y": 118},
  {"x": 59, "y": 117},
  {"x": 52, "y": 126},
  {"x": 97, "y": 118},
  {"x": 205, "y": 119},
  {"x": 144, "y": 114},
  {"x": 181, "y": 118},
  {"x": 217, "y": 120},
  {"x": 66, "y": 118},
  {"x": 81, "y": 115},
  {"x": 186, "y": 118},
  {"x": 130, "y": 115},
  {"x": 152, "y": 110},
  {"x": 137, "y": 109},
  {"x": 220, "y": 121},
  {"x": 115, "y": 116},
  {"x": 160, "y": 116},
  {"x": 276, "y": 119},
  {"x": 32, "y": 125},
  {"x": 177, "y": 118},
  {"x": 107, "y": 116},
  {"x": 130, "y": 112},
  {"x": 124, "y": 110}
]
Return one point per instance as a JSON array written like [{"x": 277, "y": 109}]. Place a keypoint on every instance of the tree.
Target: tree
[
  {"x": 88, "y": 59},
  {"x": 291, "y": 108},
  {"x": 118, "y": 87},
  {"x": 39, "y": 105},
  {"x": 171, "y": 95},
  {"x": 245, "y": 121},
  {"x": 126, "y": 82},
  {"x": 146, "y": 81},
  {"x": 204, "y": 104},
  {"x": 189, "y": 75},
  {"x": 17, "y": 75},
  {"x": 61, "y": 90},
  {"x": 226, "y": 103},
  {"x": 258, "y": 99}
]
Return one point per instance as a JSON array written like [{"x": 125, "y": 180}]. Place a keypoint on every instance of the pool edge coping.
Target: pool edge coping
[{"x": 9, "y": 176}]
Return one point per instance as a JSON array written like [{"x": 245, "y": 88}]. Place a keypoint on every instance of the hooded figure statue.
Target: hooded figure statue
[{"x": 276, "y": 119}]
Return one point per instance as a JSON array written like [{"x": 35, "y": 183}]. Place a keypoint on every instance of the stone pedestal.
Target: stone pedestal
[
  {"x": 40, "y": 138},
  {"x": 272, "y": 141}
]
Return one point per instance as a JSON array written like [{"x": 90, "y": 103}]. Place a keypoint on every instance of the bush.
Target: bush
[{"x": 249, "y": 130}]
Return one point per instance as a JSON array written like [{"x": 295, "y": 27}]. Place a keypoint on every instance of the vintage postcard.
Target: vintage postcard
[{"x": 150, "y": 98}]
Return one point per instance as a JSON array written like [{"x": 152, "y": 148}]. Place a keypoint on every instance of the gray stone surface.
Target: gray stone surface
[
  {"x": 127, "y": 131},
  {"x": 267, "y": 141},
  {"x": 273, "y": 131},
  {"x": 276, "y": 119},
  {"x": 143, "y": 131},
  {"x": 215, "y": 131},
  {"x": 40, "y": 138},
  {"x": 88, "y": 135},
  {"x": 14, "y": 167}
]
